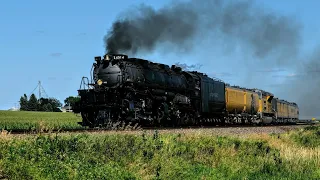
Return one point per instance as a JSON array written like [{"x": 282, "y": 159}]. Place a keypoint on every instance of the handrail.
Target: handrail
[{"x": 84, "y": 84}]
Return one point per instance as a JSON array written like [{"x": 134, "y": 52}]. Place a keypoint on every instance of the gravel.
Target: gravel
[
  {"x": 232, "y": 131},
  {"x": 210, "y": 131}
]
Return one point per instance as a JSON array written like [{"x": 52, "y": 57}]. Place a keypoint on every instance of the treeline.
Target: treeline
[
  {"x": 71, "y": 100},
  {"x": 42, "y": 104}
]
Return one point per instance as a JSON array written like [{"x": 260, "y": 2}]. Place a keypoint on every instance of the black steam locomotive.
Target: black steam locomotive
[{"x": 151, "y": 94}]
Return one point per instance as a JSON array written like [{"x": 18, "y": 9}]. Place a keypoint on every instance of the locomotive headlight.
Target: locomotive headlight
[{"x": 99, "y": 82}]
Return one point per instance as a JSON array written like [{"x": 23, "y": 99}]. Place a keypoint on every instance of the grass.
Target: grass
[
  {"x": 158, "y": 156},
  {"x": 29, "y": 120},
  {"x": 292, "y": 155},
  {"x": 308, "y": 137}
]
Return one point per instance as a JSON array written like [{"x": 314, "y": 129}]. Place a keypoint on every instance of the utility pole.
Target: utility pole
[{"x": 39, "y": 89}]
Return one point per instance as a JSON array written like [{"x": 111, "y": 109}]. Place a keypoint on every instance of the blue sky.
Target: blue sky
[{"x": 55, "y": 42}]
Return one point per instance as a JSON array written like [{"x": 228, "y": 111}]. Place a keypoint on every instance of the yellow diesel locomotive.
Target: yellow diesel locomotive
[
  {"x": 257, "y": 106},
  {"x": 286, "y": 111}
]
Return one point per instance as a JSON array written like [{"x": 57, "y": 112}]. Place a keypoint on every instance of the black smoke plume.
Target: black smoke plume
[
  {"x": 304, "y": 87},
  {"x": 144, "y": 28}
]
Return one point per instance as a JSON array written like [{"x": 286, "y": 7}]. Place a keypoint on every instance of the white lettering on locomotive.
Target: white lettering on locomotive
[{"x": 118, "y": 57}]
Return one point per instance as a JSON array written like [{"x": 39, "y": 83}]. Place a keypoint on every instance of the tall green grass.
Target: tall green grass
[
  {"x": 29, "y": 120},
  {"x": 101, "y": 156},
  {"x": 307, "y": 137}
]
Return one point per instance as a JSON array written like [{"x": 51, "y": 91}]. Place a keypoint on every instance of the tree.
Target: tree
[
  {"x": 47, "y": 107},
  {"x": 44, "y": 104},
  {"x": 24, "y": 103},
  {"x": 33, "y": 104},
  {"x": 71, "y": 100},
  {"x": 56, "y": 104},
  {"x": 50, "y": 104}
]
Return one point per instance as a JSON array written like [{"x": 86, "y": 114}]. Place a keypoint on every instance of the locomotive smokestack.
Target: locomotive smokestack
[{"x": 97, "y": 58}]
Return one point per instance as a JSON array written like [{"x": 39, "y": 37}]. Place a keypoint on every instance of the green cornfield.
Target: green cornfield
[{"x": 30, "y": 120}]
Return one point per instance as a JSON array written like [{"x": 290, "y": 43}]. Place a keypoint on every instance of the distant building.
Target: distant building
[
  {"x": 14, "y": 109},
  {"x": 66, "y": 109}
]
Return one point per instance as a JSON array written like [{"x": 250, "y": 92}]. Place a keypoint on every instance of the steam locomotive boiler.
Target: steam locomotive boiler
[{"x": 137, "y": 90}]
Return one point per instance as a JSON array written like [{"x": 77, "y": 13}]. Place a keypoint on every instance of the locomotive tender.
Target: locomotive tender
[{"x": 152, "y": 94}]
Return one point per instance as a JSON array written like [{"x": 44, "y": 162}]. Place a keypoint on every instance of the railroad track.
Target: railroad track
[{"x": 80, "y": 130}]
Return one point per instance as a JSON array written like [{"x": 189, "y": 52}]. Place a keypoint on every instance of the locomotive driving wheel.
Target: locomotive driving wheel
[
  {"x": 88, "y": 118},
  {"x": 160, "y": 116}
]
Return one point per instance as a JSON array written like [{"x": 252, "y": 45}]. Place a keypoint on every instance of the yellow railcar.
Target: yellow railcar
[
  {"x": 282, "y": 109},
  {"x": 258, "y": 105},
  {"x": 240, "y": 100},
  {"x": 297, "y": 111},
  {"x": 294, "y": 111},
  {"x": 287, "y": 110},
  {"x": 266, "y": 106},
  {"x": 290, "y": 111},
  {"x": 279, "y": 109}
]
